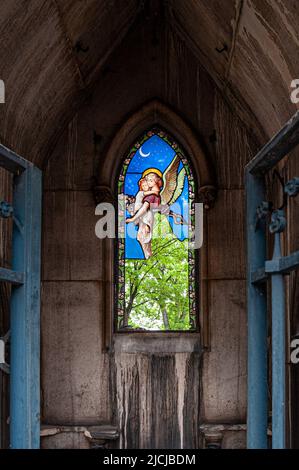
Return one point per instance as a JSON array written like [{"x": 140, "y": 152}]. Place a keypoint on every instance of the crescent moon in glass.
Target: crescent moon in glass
[{"x": 144, "y": 154}]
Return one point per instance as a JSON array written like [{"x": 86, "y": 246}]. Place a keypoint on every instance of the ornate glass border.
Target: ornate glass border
[{"x": 120, "y": 265}]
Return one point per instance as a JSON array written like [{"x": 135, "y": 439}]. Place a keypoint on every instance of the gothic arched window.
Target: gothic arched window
[{"x": 156, "y": 265}]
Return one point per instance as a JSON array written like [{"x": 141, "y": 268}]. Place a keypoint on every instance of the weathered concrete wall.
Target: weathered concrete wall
[
  {"x": 289, "y": 168},
  {"x": 224, "y": 366},
  {"x": 157, "y": 390},
  {"x": 157, "y": 398}
]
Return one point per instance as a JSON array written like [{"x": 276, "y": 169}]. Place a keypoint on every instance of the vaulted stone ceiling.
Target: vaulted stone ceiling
[
  {"x": 261, "y": 60},
  {"x": 44, "y": 68},
  {"x": 52, "y": 52}
]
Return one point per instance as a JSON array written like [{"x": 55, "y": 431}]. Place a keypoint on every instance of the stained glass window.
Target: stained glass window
[{"x": 156, "y": 265}]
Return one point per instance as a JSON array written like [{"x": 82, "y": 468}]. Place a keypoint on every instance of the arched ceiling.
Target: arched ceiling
[
  {"x": 260, "y": 39},
  {"x": 53, "y": 51},
  {"x": 46, "y": 67}
]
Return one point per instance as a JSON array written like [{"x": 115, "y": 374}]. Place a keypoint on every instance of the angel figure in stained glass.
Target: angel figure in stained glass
[{"x": 157, "y": 192}]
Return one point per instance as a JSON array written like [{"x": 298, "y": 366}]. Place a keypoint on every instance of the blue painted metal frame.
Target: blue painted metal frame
[
  {"x": 7, "y": 275},
  {"x": 258, "y": 271},
  {"x": 278, "y": 353},
  {"x": 257, "y": 410},
  {"x": 25, "y": 302}
]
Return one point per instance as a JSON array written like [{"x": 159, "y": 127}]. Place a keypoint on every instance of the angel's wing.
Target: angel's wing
[
  {"x": 179, "y": 187},
  {"x": 170, "y": 180}
]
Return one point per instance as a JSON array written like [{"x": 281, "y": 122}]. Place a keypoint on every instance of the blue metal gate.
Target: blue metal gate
[
  {"x": 25, "y": 299},
  {"x": 259, "y": 270}
]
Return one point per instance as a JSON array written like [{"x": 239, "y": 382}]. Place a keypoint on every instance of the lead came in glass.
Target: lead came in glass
[{"x": 156, "y": 264}]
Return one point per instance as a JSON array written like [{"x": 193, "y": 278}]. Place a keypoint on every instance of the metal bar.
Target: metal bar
[
  {"x": 7, "y": 275},
  {"x": 3, "y": 365},
  {"x": 259, "y": 276},
  {"x": 284, "y": 264},
  {"x": 2, "y": 351},
  {"x": 257, "y": 320},
  {"x": 281, "y": 144},
  {"x": 11, "y": 161},
  {"x": 25, "y": 314},
  {"x": 278, "y": 354}
]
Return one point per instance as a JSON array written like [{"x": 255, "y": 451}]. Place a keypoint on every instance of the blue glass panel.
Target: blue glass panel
[
  {"x": 156, "y": 274},
  {"x": 158, "y": 154}
]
